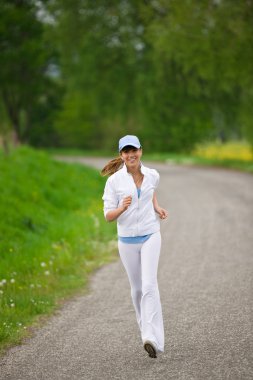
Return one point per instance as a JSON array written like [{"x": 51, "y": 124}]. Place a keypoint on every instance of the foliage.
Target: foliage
[
  {"x": 25, "y": 89},
  {"x": 211, "y": 46},
  {"x": 175, "y": 73},
  {"x": 53, "y": 234}
]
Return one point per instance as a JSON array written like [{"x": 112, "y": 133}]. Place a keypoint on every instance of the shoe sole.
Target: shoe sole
[{"x": 148, "y": 346}]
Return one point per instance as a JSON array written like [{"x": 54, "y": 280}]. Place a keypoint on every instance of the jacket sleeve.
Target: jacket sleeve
[
  {"x": 156, "y": 179},
  {"x": 109, "y": 197}
]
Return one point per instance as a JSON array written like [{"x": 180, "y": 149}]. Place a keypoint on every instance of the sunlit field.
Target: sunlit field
[{"x": 228, "y": 151}]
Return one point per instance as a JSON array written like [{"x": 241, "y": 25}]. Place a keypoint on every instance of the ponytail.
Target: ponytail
[{"x": 112, "y": 166}]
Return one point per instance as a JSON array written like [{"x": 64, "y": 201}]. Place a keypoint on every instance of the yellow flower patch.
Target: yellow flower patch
[{"x": 227, "y": 151}]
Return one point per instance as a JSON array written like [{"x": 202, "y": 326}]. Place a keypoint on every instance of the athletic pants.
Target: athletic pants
[{"x": 141, "y": 264}]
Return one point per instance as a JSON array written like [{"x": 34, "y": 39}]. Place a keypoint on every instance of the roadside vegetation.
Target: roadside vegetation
[{"x": 53, "y": 234}]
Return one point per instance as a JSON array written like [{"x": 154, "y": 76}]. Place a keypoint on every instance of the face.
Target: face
[{"x": 131, "y": 157}]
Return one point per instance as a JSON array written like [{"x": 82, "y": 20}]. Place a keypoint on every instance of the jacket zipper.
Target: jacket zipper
[{"x": 137, "y": 213}]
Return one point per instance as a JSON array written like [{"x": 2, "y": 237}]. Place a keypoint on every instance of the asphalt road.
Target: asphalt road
[{"x": 205, "y": 282}]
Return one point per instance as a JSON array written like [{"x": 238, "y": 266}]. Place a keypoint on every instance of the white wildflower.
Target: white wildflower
[
  {"x": 56, "y": 246},
  {"x": 43, "y": 264},
  {"x": 95, "y": 220},
  {"x": 12, "y": 281},
  {"x": 47, "y": 273},
  {"x": 12, "y": 304}
]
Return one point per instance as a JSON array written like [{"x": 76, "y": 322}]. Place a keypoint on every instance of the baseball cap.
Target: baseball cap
[{"x": 129, "y": 140}]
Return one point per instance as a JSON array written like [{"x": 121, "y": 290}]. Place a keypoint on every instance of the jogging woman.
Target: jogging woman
[{"x": 129, "y": 197}]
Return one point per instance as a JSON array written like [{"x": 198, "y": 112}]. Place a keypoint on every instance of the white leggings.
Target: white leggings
[{"x": 141, "y": 264}]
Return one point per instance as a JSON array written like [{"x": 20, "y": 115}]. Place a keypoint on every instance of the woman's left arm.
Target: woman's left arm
[{"x": 160, "y": 211}]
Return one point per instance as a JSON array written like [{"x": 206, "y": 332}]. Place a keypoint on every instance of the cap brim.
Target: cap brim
[{"x": 134, "y": 145}]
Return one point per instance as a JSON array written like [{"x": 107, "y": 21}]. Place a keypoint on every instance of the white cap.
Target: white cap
[{"x": 129, "y": 140}]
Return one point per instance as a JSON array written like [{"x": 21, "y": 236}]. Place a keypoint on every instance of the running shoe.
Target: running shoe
[{"x": 150, "y": 348}]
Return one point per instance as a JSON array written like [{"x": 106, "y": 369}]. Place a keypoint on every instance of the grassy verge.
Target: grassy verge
[
  {"x": 233, "y": 154},
  {"x": 52, "y": 235}
]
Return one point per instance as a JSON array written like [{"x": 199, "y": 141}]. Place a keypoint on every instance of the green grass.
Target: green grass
[{"x": 52, "y": 236}]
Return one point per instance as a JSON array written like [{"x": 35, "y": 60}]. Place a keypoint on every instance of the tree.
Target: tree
[
  {"x": 24, "y": 63},
  {"x": 173, "y": 72},
  {"x": 211, "y": 45}
]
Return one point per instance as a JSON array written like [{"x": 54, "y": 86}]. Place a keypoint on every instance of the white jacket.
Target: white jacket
[{"x": 140, "y": 218}]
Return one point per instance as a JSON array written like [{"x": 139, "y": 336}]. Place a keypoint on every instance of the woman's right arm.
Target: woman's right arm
[{"x": 114, "y": 214}]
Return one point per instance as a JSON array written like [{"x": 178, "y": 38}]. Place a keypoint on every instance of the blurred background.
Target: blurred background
[{"x": 82, "y": 73}]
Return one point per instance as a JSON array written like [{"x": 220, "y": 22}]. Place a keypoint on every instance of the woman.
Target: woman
[{"x": 129, "y": 197}]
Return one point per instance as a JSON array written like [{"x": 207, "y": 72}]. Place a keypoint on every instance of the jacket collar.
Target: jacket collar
[{"x": 143, "y": 169}]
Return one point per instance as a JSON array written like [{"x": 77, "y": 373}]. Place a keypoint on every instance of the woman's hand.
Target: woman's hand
[
  {"x": 126, "y": 202},
  {"x": 161, "y": 212},
  {"x": 114, "y": 214}
]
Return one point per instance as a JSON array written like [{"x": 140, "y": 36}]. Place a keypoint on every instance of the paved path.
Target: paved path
[{"x": 205, "y": 280}]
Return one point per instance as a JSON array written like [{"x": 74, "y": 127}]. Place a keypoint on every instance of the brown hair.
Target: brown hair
[{"x": 112, "y": 166}]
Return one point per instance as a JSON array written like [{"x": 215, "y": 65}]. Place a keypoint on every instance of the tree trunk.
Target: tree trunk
[
  {"x": 13, "y": 110},
  {"x": 6, "y": 145},
  {"x": 15, "y": 137}
]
